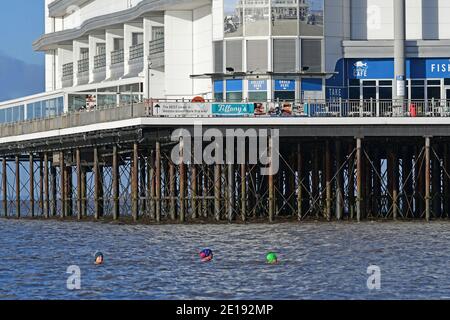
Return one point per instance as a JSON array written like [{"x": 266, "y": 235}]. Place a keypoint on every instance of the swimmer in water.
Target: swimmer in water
[
  {"x": 206, "y": 255},
  {"x": 272, "y": 258},
  {"x": 99, "y": 258}
]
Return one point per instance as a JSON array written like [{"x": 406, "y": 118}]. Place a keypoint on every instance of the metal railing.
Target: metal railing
[
  {"x": 67, "y": 70},
  {"x": 156, "y": 47},
  {"x": 83, "y": 65},
  {"x": 100, "y": 61},
  {"x": 117, "y": 56},
  {"x": 136, "y": 51}
]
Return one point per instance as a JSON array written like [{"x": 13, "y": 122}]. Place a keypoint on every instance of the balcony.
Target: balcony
[
  {"x": 156, "y": 53},
  {"x": 100, "y": 61},
  {"x": 136, "y": 52},
  {"x": 83, "y": 66},
  {"x": 67, "y": 75},
  {"x": 117, "y": 57}
]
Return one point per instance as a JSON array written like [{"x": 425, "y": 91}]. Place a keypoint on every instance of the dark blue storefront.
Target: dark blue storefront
[{"x": 426, "y": 79}]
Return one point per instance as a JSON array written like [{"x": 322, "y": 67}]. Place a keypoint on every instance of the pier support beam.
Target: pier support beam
[
  {"x": 271, "y": 182},
  {"x": 97, "y": 185},
  {"x": 46, "y": 188},
  {"x": 328, "y": 177},
  {"x": 339, "y": 180},
  {"x": 172, "y": 191},
  {"x": 231, "y": 190},
  {"x": 31, "y": 181},
  {"x": 217, "y": 191},
  {"x": 194, "y": 190},
  {"x": 182, "y": 183},
  {"x": 300, "y": 177},
  {"x": 54, "y": 191},
  {"x": 5, "y": 187},
  {"x": 135, "y": 183},
  {"x": 115, "y": 184},
  {"x": 151, "y": 184},
  {"x": 79, "y": 182},
  {"x": 158, "y": 181},
  {"x": 41, "y": 185},
  {"x": 18, "y": 187},
  {"x": 427, "y": 178},
  {"x": 358, "y": 178},
  {"x": 243, "y": 192},
  {"x": 63, "y": 184}
]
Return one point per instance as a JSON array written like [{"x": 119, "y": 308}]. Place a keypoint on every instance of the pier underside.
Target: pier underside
[{"x": 357, "y": 173}]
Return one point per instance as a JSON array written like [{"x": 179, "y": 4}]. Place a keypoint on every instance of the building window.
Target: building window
[
  {"x": 354, "y": 89},
  {"x": 137, "y": 38},
  {"x": 311, "y": 18},
  {"x": 284, "y": 90},
  {"x": 256, "y": 18},
  {"x": 284, "y": 18},
  {"x": 257, "y": 90},
  {"x": 257, "y": 56},
  {"x": 284, "y": 53},
  {"x": 118, "y": 44},
  {"x": 417, "y": 90},
  {"x": 234, "y": 55},
  {"x": 434, "y": 89},
  {"x": 233, "y": 18},
  {"x": 218, "y": 90},
  {"x": 385, "y": 90},
  {"x": 234, "y": 90},
  {"x": 311, "y": 55}
]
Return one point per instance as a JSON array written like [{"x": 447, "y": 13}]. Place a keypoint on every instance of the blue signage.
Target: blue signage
[
  {"x": 416, "y": 68},
  {"x": 218, "y": 86},
  {"x": 311, "y": 84},
  {"x": 233, "y": 109},
  {"x": 234, "y": 85},
  {"x": 257, "y": 85},
  {"x": 284, "y": 85}
]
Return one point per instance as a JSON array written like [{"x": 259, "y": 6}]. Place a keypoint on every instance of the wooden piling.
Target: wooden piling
[
  {"x": 328, "y": 177},
  {"x": 31, "y": 181},
  {"x": 135, "y": 183},
  {"x": 172, "y": 191},
  {"x": 5, "y": 186},
  {"x": 96, "y": 172},
  {"x": 339, "y": 180},
  {"x": 271, "y": 182},
  {"x": 79, "y": 201},
  {"x": 182, "y": 173},
  {"x": 358, "y": 178},
  {"x": 217, "y": 191},
  {"x": 54, "y": 191},
  {"x": 46, "y": 188},
  {"x": 231, "y": 186},
  {"x": 41, "y": 185},
  {"x": 63, "y": 185},
  {"x": 115, "y": 184},
  {"x": 18, "y": 211},
  {"x": 151, "y": 184},
  {"x": 427, "y": 178},
  {"x": 158, "y": 181},
  {"x": 299, "y": 183},
  {"x": 243, "y": 192},
  {"x": 194, "y": 190}
]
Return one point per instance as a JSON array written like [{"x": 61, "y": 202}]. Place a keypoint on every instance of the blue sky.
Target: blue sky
[
  {"x": 21, "y": 22},
  {"x": 21, "y": 69}
]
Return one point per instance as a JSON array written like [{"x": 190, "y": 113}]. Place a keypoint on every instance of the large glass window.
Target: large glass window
[
  {"x": 2, "y": 116},
  {"x": 312, "y": 55},
  {"x": 233, "y": 18},
  {"x": 234, "y": 90},
  {"x": 234, "y": 55},
  {"x": 218, "y": 90},
  {"x": 434, "y": 89},
  {"x": 284, "y": 90},
  {"x": 257, "y": 56},
  {"x": 385, "y": 90},
  {"x": 417, "y": 90},
  {"x": 354, "y": 89},
  {"x": 218, "y": 56},
  {"x": 257, "y": 90},
  {"x": 285, "y": 17},
  {"x": 311, "y": 18},
  {"x": 284, "y": 55},
  {"x": 256, "y": 17}
]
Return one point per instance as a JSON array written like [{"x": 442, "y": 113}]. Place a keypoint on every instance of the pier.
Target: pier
[{"x": 116, "y": 164}]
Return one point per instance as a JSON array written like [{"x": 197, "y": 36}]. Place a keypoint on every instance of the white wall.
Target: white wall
[
  {"x": 156, "y": 84},
  {"x": 95, "y": 8},
  {"x": 337, "y": 29},
  {"x": 372, "y": 19},
  {"x": 178, "y": 28},
  {"x": 203, "y": 50}
]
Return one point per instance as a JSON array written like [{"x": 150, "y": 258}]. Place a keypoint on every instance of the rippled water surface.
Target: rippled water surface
[{"x": 317, "y": 261}]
